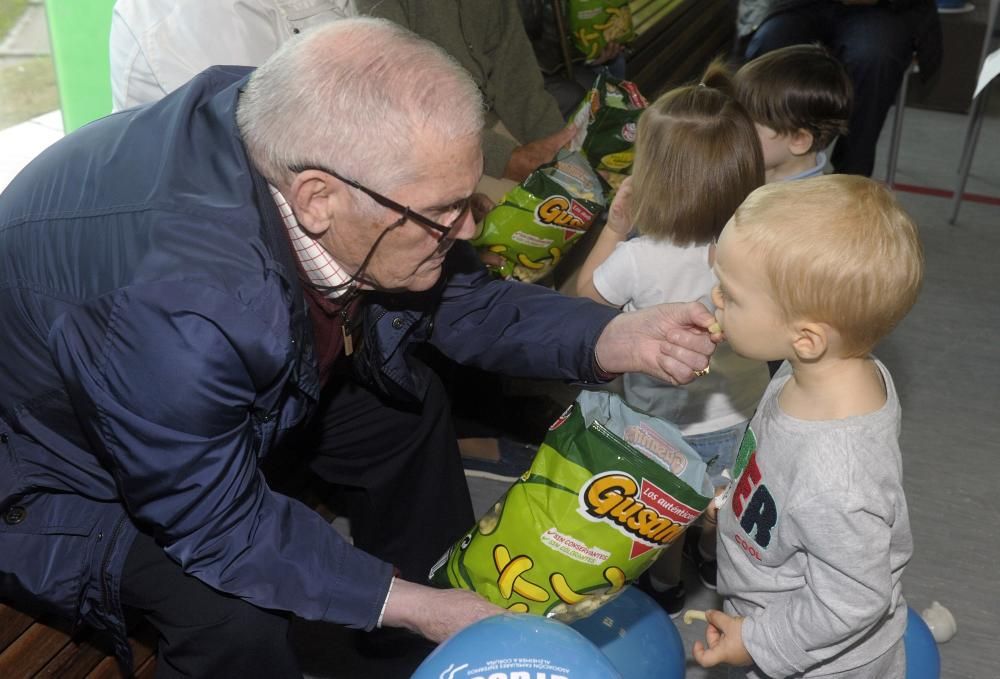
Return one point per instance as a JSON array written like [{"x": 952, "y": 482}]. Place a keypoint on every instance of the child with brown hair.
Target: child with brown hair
[
  {"x": 799, "y": 98},
  {"x": 814, "y": 535},
  {"x": 696, "y": 158}
]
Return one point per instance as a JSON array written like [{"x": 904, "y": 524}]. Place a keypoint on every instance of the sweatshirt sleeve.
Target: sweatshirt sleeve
[
  {"x": 845, "y": 537},
  {"x": 170, "y": 381}
]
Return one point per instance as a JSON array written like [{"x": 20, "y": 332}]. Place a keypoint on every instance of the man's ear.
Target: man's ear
[
  {"x": 811, "y": 340},
  {"x": 800, "y": 142},
  {"x": 315, "y": 198}
]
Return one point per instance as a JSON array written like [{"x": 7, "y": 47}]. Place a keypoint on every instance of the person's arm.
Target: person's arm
[
  {"x": 526, "y": 158},
  {"x": 615, "y": 231},
  {"x": 433, "y": 613},
  {"x": 517, "y": 90},
  {"x": 847, "y": 591},
  {"x": 531, "y": 331},
  {"x": 158, "y": 45},
  {"x": 179, "y": 386}
]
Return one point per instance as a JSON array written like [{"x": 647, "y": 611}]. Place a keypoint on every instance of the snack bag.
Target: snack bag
[
  {"x": 595, "y": 23},
  {"x": 607, "y": 491},
  {"x": 606, "y": 123},
  {"x": 540, "y": 218}
]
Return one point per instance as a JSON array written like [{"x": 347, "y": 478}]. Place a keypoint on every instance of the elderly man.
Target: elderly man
[{"x": 184, "y": 287}]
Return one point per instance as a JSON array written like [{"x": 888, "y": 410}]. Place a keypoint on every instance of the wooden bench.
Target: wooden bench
[
  {"x": 39, "y": 648},
  {"x": 32, "y": 647},
  {"x": 675, "y": 40}
]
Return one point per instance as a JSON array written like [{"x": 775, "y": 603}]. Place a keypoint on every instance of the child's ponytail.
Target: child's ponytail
[{"x": 719, "y": 76}]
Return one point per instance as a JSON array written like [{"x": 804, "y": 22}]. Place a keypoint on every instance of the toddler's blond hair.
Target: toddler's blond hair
[{"x": 836, "y": 249}]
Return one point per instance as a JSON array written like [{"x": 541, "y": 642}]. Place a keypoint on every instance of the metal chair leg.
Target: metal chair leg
[
  {"x": 897, "y": 129},
  {"x": 971, "y": 139}
]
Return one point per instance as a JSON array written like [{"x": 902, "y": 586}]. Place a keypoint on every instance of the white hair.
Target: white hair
[{"x": 353, "y": 95}]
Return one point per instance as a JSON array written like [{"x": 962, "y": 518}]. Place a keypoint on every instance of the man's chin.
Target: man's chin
[
  {"x": 425, "y": 280},
  {"x": 418, "y": 282}
]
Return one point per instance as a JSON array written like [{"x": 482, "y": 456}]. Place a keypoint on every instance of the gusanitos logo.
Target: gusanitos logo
[
  {"x": 561, "y": 211},
  {"x": 635, "y": 510}
]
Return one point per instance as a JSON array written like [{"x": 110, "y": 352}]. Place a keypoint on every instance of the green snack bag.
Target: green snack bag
[
  {"x": 607, "y": 491},
  {"x": 606, "y": 122},
  {"x": 540, "y": 218},
  {"x": 595, "y": 23}
]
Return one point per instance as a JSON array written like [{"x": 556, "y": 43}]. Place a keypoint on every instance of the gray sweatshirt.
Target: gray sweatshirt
[{"x": 813, "y": 540}]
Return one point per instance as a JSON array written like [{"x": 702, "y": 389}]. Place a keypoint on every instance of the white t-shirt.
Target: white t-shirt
[
  {"x": 644, "y": 272},
  {"x": 158, "y": 45}
]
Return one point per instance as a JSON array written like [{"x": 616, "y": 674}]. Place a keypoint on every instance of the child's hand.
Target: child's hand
[
  {"x": 725, "y": 642},
  {"x": 620, "y": 214}
]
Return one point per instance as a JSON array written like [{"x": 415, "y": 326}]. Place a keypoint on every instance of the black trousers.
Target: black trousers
[{"x": 396, "y": 472}]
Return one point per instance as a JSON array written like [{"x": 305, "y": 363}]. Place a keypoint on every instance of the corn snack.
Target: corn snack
[{"x": 607, "y": 491}]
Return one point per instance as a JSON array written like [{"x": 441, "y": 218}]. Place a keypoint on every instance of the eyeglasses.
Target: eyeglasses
[{"x": 403, "y": 210}]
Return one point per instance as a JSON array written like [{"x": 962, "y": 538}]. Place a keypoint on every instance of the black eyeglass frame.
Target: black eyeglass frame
[{"x": 405, "y": 211}]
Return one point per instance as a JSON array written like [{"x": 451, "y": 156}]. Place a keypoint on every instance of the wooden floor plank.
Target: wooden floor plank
[
  {"x": 143, "y": 646},
  {"x": 12, "y": 624},
  {"x": 75, "y": 660},
  {"x": 31, "y": 651},
  {"x": 146, "y": 670}
]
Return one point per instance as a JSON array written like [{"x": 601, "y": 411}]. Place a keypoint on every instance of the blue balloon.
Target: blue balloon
[
  {"x": 922, "y": 658},
  {"x": 637, "y": 636},
  {"x": 516, "y": 646}
]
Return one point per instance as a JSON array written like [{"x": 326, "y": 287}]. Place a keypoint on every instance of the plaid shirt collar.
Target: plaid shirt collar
[{"x": 319, "y": 266}]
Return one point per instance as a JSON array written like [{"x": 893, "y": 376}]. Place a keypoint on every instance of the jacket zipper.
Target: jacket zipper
[{"x": 105, "y": 562}]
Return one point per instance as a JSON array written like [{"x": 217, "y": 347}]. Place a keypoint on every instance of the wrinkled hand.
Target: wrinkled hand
[
  {"x": 434, "y": 613},
  {"x": 667, "y": 341},
  {"x": 725, "y": 642},
  {"x": 620, "y": 213},
  {"x": 609, "y": 53},
  {"x": 525, "y": 159}
]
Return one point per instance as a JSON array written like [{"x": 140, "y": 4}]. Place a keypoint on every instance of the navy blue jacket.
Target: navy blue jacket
[{"x": 156, "y": 346}]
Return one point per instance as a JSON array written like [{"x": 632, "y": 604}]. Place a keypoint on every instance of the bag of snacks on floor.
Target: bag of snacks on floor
[
  {"x": 607, "y": 491},
  {"x": 606, "y": 123},
  {"x": 540, "y": 218},
  {"x": 595, "y": 23}
]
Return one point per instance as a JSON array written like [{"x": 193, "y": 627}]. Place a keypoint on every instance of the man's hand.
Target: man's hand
[
  {"x": 610, "y": 52},
  {"x": 434, "y": 613},
  {"x": 725, "y": 642},
  {"x": 667, "y": 341},
  {"x": 525, "y": 159},
  {"x": 480, "y": 204}
]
